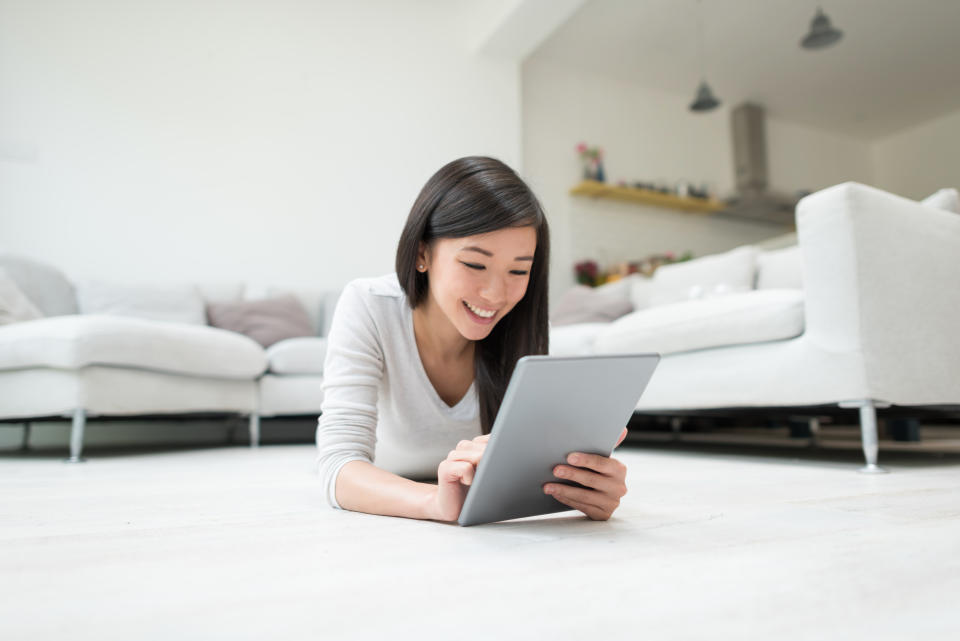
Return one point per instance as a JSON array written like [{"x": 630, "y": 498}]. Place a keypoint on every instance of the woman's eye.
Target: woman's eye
[{"x": 516, "y": 272}]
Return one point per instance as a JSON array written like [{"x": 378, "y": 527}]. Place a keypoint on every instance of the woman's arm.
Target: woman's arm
[{"x": 363, "y": 487}]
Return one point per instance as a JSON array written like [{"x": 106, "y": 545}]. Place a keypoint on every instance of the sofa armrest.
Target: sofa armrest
[{"x": 882, "y": 278}]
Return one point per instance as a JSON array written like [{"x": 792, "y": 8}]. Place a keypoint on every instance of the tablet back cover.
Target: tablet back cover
[{"x": 554, "y": 405}]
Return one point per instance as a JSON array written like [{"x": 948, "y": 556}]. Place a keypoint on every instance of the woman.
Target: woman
[{"x": 418, "y": 361}]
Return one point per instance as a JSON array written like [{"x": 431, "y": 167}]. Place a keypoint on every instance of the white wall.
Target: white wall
[
  {"x": 650, "y": 135},
  {"x": 202, "y": 140},
  {"x": 919, "y": 161}
]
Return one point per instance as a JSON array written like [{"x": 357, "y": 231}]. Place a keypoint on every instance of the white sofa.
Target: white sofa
[
  {"x": 77, "y": 365},
  {"x": 864, "y": 312}
]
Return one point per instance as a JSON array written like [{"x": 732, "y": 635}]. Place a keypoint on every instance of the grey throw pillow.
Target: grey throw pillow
[
  {"x": 582, "y": 304},
  {"x": 266, "y": 321}
]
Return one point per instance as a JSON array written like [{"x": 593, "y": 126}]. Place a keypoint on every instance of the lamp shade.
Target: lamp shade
[
  {"x": 822, "y": 34},
  {"x": 704, "y": 100}
]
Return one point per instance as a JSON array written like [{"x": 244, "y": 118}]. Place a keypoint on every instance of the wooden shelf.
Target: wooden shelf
[{"x": 596, "y": 189}]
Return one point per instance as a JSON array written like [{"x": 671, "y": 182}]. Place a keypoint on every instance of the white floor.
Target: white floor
[{"x": 233, "y": 543}]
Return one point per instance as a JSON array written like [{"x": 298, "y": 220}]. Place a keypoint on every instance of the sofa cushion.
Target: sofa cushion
[
  {"x": 266, "y": 321},
  {"x": 730, "y": 272},
  {"x": 43, "y": 284},
  {"x": 574, "y": 340},
  {"x": 734, "y": 319},
  {"x": 177, "y": 303},
  {"x": 71, "y": 342},
  {"x": 14, "y": 304},
  {"x": 780, "y": 269},
  {"x": 302, "y": 355}
]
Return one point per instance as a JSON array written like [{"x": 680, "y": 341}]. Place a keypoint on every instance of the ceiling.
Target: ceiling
[{"x": 897, "y": 65}]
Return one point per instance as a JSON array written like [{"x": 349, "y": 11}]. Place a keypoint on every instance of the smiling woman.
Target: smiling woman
[{"x": 418, "y": 361}]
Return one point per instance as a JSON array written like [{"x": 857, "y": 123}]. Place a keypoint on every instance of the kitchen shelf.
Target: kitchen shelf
[{"x": 595, "y": 189}]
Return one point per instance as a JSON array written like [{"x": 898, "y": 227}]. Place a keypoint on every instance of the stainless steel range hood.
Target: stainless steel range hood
[{"x": 753, "y": 200}]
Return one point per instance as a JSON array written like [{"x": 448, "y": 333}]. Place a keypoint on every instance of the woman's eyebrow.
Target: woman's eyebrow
[{"x": 488, "y": 253}]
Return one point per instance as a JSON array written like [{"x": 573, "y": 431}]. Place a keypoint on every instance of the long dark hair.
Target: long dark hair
[{"x": 476, "y": 195}]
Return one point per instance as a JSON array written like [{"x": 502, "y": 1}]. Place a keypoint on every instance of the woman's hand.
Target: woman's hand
[
  {"x": 604, "y": 475},
  {"x": 454, "y": 476}
]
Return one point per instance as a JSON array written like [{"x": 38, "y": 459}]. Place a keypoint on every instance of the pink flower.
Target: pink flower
[
  {"x": 581, "y": 147},
  {"x": 669, "y": 255}
]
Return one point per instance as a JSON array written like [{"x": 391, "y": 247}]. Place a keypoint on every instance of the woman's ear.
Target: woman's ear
[{"x": 422, "y": 256}]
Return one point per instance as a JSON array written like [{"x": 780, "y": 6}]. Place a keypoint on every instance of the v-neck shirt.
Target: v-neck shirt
[{"x": 378, "y": 403}]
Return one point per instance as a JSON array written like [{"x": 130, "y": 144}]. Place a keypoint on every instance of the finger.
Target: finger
[
  {"x": 468, "y": 445},
  {"x": 482, "y": 439},
  {"x": 592, "y": 511},
  {"x": 598, "y": 463},
  {"x": 623, "y": 435},
  {"x": 465, "y": 455},
  {"x": 611, "y": 485},
  {"x": 456, "y": 471},
  {"x": 587, "y": 497}
]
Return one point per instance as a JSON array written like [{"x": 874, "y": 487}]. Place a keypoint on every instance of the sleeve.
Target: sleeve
[{"x": 353, "y": 368}]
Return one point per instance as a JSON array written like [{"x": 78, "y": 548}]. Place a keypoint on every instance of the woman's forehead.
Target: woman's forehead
[{"x": 500, "y": 239}]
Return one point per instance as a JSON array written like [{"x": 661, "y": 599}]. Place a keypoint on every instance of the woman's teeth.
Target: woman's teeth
[{"x": 482, "y": 313}]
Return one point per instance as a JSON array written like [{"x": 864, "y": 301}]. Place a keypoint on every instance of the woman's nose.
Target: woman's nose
[{"x": 494, "y": 291}]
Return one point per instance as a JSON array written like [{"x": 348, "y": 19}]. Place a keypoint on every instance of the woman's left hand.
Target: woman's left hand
[{"x": 604, "y": 476}]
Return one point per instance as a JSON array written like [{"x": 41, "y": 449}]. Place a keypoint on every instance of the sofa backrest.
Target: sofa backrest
[
  {"x": 170, "y": 302},
  {"x": 43, "y": 284},
  {"x": 716, "y": 274}
]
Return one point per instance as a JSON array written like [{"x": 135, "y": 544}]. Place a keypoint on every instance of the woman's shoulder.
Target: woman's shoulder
[{"x": 373, "y": 304}]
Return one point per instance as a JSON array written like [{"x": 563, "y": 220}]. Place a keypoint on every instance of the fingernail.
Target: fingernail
[
  {"x": 560, "y": 472},
  {"x": 550, "y": 489},
  {"x": 574, "y": 459}
]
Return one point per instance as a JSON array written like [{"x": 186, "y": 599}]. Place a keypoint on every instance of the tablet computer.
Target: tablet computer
[{"x": 553, "y": 405}]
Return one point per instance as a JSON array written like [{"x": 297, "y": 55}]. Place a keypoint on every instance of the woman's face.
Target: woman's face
[{"x": 477, "y": 280}]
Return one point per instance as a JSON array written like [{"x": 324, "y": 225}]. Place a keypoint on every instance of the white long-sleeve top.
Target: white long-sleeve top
[{"x": 378, "y": 404}]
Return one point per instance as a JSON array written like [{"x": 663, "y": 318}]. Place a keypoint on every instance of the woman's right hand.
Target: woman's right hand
[{"x": 454, "y": 477}]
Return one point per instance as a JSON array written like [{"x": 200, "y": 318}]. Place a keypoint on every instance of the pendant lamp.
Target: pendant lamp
[
  {"x": 822, "y": 34},
  {"x": 704, "y": 100}
]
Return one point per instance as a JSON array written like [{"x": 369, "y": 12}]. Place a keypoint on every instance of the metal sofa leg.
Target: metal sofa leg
[
  {"x": 254, "y": 430},
  {"x": 868, "y": 432},
  {"x": 869, "y": 438},
  {"x": 76, "y": 436}
]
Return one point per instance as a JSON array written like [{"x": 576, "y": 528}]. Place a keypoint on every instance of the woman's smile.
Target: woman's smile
[{"x": 480, "y": 314}]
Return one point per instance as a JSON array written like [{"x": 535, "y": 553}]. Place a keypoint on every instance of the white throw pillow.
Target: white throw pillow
[
  {"x": 780, "y": 269},
  {"x": 174, "y": 303},
  {"x": 948, "y": 199},
  {"x": 14, "y": 304},
  {"x": 718, "y": 274}
]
